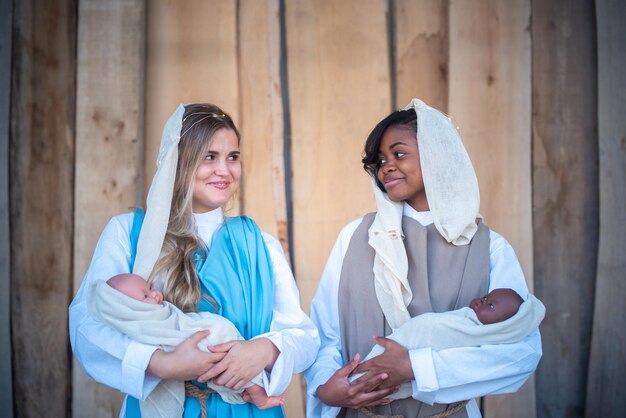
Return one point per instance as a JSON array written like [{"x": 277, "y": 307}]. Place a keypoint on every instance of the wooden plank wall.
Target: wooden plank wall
[
  {"x": 332, "y": 113},
  {"x": 109, "y": 122},
  {"x": 41, "y": 193},
  {"x": 421, "y": 51},
  {"x": 528, "y": 83},
  {"x": 565, "y": 197},
  {"x": 490, "y": 101},
  {"x": 606, "y": 378},
  {"x": 261, "y": 123},
  {"x": 6, "y": 384}
]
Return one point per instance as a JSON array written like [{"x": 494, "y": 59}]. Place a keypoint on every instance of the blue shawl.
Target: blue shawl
[{"x": 237, "y": 274}]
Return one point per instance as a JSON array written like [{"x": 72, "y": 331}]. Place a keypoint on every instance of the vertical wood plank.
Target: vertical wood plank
[
  {"x": 339, "y": 89},
  {"x": 108, "y": 147},
  {"x": 261, "y": 116},
  {"x": 490, "y": 100},
  {"x": 41, "y": 203},
  {"x": 421, "y": 51},
  {"x": 606, "y": 378},
  {"x": 565, "y": 197},
  {"x": 191, "y": 57},
  {"x": 6, "y": 384},
  {"x": 261, "y": 128}
]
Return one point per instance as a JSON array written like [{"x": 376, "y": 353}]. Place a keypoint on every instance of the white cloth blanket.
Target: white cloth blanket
[
  {"x": 167, "y": 326},
  {"x": 460, "y": 328}
]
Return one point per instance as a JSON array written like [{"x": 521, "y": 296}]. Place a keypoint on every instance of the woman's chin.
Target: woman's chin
[{"x": 394, "y": 197}]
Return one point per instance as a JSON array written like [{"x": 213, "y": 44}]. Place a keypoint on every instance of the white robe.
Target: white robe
[
  {"x": 444, "y": 376},
  {"x": 114, "y": 359}
]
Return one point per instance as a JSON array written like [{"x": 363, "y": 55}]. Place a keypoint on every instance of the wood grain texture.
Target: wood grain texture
[
  {"x": 606, "y": 378},
  {"x": 339, "y": 89},
  {"x": 261, "y": 125},
  {"x": 565, "y": 197},
  {"x": 421, "y": 51},
  {"x": 490, "y": 101},
  {"x": 6, "y": 383},
  {"x": 41, "y": 204},
  {"x": 191, "y": 57},
  {"x": 109, "y": 145},
  {"x": 262, "y": 132}
]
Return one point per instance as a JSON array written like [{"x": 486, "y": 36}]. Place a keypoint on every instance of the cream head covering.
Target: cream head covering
[
  {"x": 453, "y": 197},
  {"x": 159, "y": 201}
]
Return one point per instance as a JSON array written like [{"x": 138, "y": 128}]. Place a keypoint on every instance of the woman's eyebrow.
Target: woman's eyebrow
[
  {"x": 218, "y": 153},
  {"x": 395, "y": 144}
]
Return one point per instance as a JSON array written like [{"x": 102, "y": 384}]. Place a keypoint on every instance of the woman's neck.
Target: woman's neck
[
  {"x": 423, "y": 217},
  {"x": 215, "y": 216}
]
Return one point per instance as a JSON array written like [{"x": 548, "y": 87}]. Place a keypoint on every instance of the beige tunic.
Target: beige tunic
[{"x": 443, "y": 277}]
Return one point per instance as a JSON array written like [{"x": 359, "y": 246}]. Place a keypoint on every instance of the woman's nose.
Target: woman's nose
[
  {"x": 388, "y": 167},
  {"x": 221, "y": 167}
]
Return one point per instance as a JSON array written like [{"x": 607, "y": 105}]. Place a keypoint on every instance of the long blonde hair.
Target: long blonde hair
[{"x": 175, "y": 270}]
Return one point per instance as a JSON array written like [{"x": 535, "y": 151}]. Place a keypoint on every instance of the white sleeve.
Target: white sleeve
[
  {"x": 456, "y": 374},
  {"x": 325, "y": 314},
  {"x": 105, "y": 354},
  {"x": 291, "y": 330}
]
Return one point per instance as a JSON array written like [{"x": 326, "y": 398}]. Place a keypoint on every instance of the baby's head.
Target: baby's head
[
  {"x": 135, "y": 287},
  {"x": 496, "y": 306}
]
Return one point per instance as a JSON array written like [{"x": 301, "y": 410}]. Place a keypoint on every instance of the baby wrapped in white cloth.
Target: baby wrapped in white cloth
[
  {"x": 499, "y": 317},
  {"x": 128, "y": 303}
]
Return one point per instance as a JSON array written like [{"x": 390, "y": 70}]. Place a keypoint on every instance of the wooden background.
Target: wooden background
[{"x": 536, "y": 87}]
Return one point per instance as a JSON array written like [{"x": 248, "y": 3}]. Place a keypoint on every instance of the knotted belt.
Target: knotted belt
[
  {"x": 200, "y": 394},
  {"x": 455, "y": 408}
]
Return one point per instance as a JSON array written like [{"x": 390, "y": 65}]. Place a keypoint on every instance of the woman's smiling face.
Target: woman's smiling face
[
  {"x": 218, "y": 175},
  {"x": 399, "y": 168}
]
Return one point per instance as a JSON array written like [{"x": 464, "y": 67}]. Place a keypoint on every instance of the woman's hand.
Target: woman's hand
[
  {"x": 394, "y": 361},
  {"x": 186, "y": 362},
  {"x": 242, "y": 361},
  {"x": 364, "y": 391}
]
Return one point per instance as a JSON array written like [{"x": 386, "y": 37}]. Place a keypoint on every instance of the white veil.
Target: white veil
[{"x": 453, "y": 197}]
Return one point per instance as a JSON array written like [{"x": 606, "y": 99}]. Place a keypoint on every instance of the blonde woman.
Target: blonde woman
[{"x": 201, "y": 261}]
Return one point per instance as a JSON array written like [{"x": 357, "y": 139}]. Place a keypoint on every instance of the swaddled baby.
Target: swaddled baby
[
  {"x": 501, "y": 316},
  {"x": 128, "y": 303}
]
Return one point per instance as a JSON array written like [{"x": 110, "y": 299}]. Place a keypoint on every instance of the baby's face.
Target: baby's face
[
  {"x": 139, "y": 289},
  {"x": 496, "y": 306}
]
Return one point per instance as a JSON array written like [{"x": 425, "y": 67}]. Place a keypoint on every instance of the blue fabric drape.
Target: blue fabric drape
[{"x": 237, "y": 275}]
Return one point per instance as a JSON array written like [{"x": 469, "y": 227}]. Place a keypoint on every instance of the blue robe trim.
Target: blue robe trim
[{"x": 237, "y": 274}]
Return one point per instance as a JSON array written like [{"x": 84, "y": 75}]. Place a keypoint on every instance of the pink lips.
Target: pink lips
[
  {"x": 221, "y": 185},
  {"x": 392, "y": 182}
]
